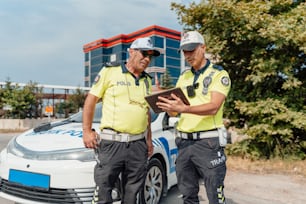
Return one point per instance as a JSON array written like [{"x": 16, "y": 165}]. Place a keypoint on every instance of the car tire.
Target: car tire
[{"x": 154, "y": 183}]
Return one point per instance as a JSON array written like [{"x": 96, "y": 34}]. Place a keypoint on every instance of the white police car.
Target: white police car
[{"x": 51, "y": 165}]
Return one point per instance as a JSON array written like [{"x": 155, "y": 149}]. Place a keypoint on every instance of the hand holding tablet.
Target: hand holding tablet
[{"x": 153, "y": 98}]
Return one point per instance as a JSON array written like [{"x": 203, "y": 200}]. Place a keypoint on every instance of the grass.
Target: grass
[{"x": 267, "y": 166}]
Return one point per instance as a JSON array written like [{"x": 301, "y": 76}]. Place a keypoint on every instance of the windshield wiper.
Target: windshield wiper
[{"x": 48, "y": 125}]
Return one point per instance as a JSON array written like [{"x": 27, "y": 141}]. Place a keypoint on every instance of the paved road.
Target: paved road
[{"x": 4, "y": 138}]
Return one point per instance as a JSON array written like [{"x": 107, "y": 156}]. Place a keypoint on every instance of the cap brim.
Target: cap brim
[
  {"x": 189, "y": 47},
  {"x": 156, "y": 53}
]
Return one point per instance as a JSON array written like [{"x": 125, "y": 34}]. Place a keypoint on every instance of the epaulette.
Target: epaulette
[
  {"x": 112, "y": 64},
  {"x": 188, "y": 69},
  {"x": 218, "y": 67}
]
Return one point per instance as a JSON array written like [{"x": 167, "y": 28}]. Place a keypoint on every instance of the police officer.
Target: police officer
[
  {"x": 125, "y": 142},
  {"x": 200, "y": 130}
]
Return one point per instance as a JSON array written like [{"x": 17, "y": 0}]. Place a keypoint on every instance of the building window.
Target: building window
[
  {"x": 86, "y": 71},
  {"x": 173, "y": 62},
  {"x": 96, "y": 61},
  {"x": 158, "y": 61},
  {"x": 158, "y": 41},
  {"x": 172, "y": 52},
  {"x": 96, "y": 52},
  {"x": 171, "y": 43},
  {"x": 86, "y": 56}
]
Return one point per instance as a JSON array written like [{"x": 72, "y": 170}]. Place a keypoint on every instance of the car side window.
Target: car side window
[
  {"x": 98, "y": 113},
  {"x": 153, "y": 115}
]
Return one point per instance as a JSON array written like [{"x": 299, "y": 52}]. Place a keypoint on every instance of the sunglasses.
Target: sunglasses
[{"x": 146, "y": 53}]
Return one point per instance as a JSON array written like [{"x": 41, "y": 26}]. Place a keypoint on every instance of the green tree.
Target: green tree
[
  {"x": 18, "y": 99},
  {"x": 1, "y": 102},
  {"x": 35, "y": 108},
  {"x": 73, "y": 104},
  {"x": 78, "y": 99},
  {"x": 166, "y": 80},
  {"x": 262, "y": 44},
  {"x": 7, "y": 98},
  {"x": 65, "y": 108},
  {"x": 24, "y": 102}
]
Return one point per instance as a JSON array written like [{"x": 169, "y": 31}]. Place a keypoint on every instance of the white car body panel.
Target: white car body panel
[{"x": 72, "y": 174}]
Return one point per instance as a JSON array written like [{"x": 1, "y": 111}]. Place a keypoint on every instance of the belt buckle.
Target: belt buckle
[
  {"x": 189, "y": 136},
  {"x": 124, "y": 137}
]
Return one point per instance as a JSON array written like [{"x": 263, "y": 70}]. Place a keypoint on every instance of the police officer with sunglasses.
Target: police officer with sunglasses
[
  {"x": 124, "y": 141},
  {"x": 201, "y": 135}
]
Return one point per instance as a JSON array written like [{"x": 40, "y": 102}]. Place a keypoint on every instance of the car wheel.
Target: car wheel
[
  {"x": 117, "y": 190},
  {"x": 154, "y": 183}
]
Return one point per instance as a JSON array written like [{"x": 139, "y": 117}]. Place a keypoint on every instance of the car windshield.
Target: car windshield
[
  {"x": 97, "y": 117},
  {"x": 98, "y": 114}
]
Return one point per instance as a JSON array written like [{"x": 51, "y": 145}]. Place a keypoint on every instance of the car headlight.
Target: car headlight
[
  {"x": 80, "y": 154},
  {"x": 2, "y": 156},
  {"x": 14, "y": 148}
]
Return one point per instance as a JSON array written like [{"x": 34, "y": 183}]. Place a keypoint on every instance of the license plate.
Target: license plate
[{"x": 29, "y": 179}]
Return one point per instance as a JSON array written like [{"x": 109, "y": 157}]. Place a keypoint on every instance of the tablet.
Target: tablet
[{"x": 153, "y": 98}]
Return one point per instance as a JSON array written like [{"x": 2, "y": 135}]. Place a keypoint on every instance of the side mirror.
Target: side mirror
[
  {"x": 169, "y": 122},
  {"x": 173, "y": 121}
]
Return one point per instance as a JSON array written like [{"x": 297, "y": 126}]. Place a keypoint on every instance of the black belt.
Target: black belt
[{"x": 198, "y": 135}]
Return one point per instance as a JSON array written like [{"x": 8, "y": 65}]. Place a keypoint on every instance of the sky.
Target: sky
[{"x": 42, "y": 40}]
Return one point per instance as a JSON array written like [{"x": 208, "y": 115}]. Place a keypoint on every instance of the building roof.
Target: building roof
[{"x": 128, "y": 38}]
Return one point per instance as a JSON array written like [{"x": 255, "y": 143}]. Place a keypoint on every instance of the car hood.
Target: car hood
[{"x": 63, "y": 137}]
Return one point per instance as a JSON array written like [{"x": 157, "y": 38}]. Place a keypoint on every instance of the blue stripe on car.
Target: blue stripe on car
[{"x": 171, "y": 154}]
